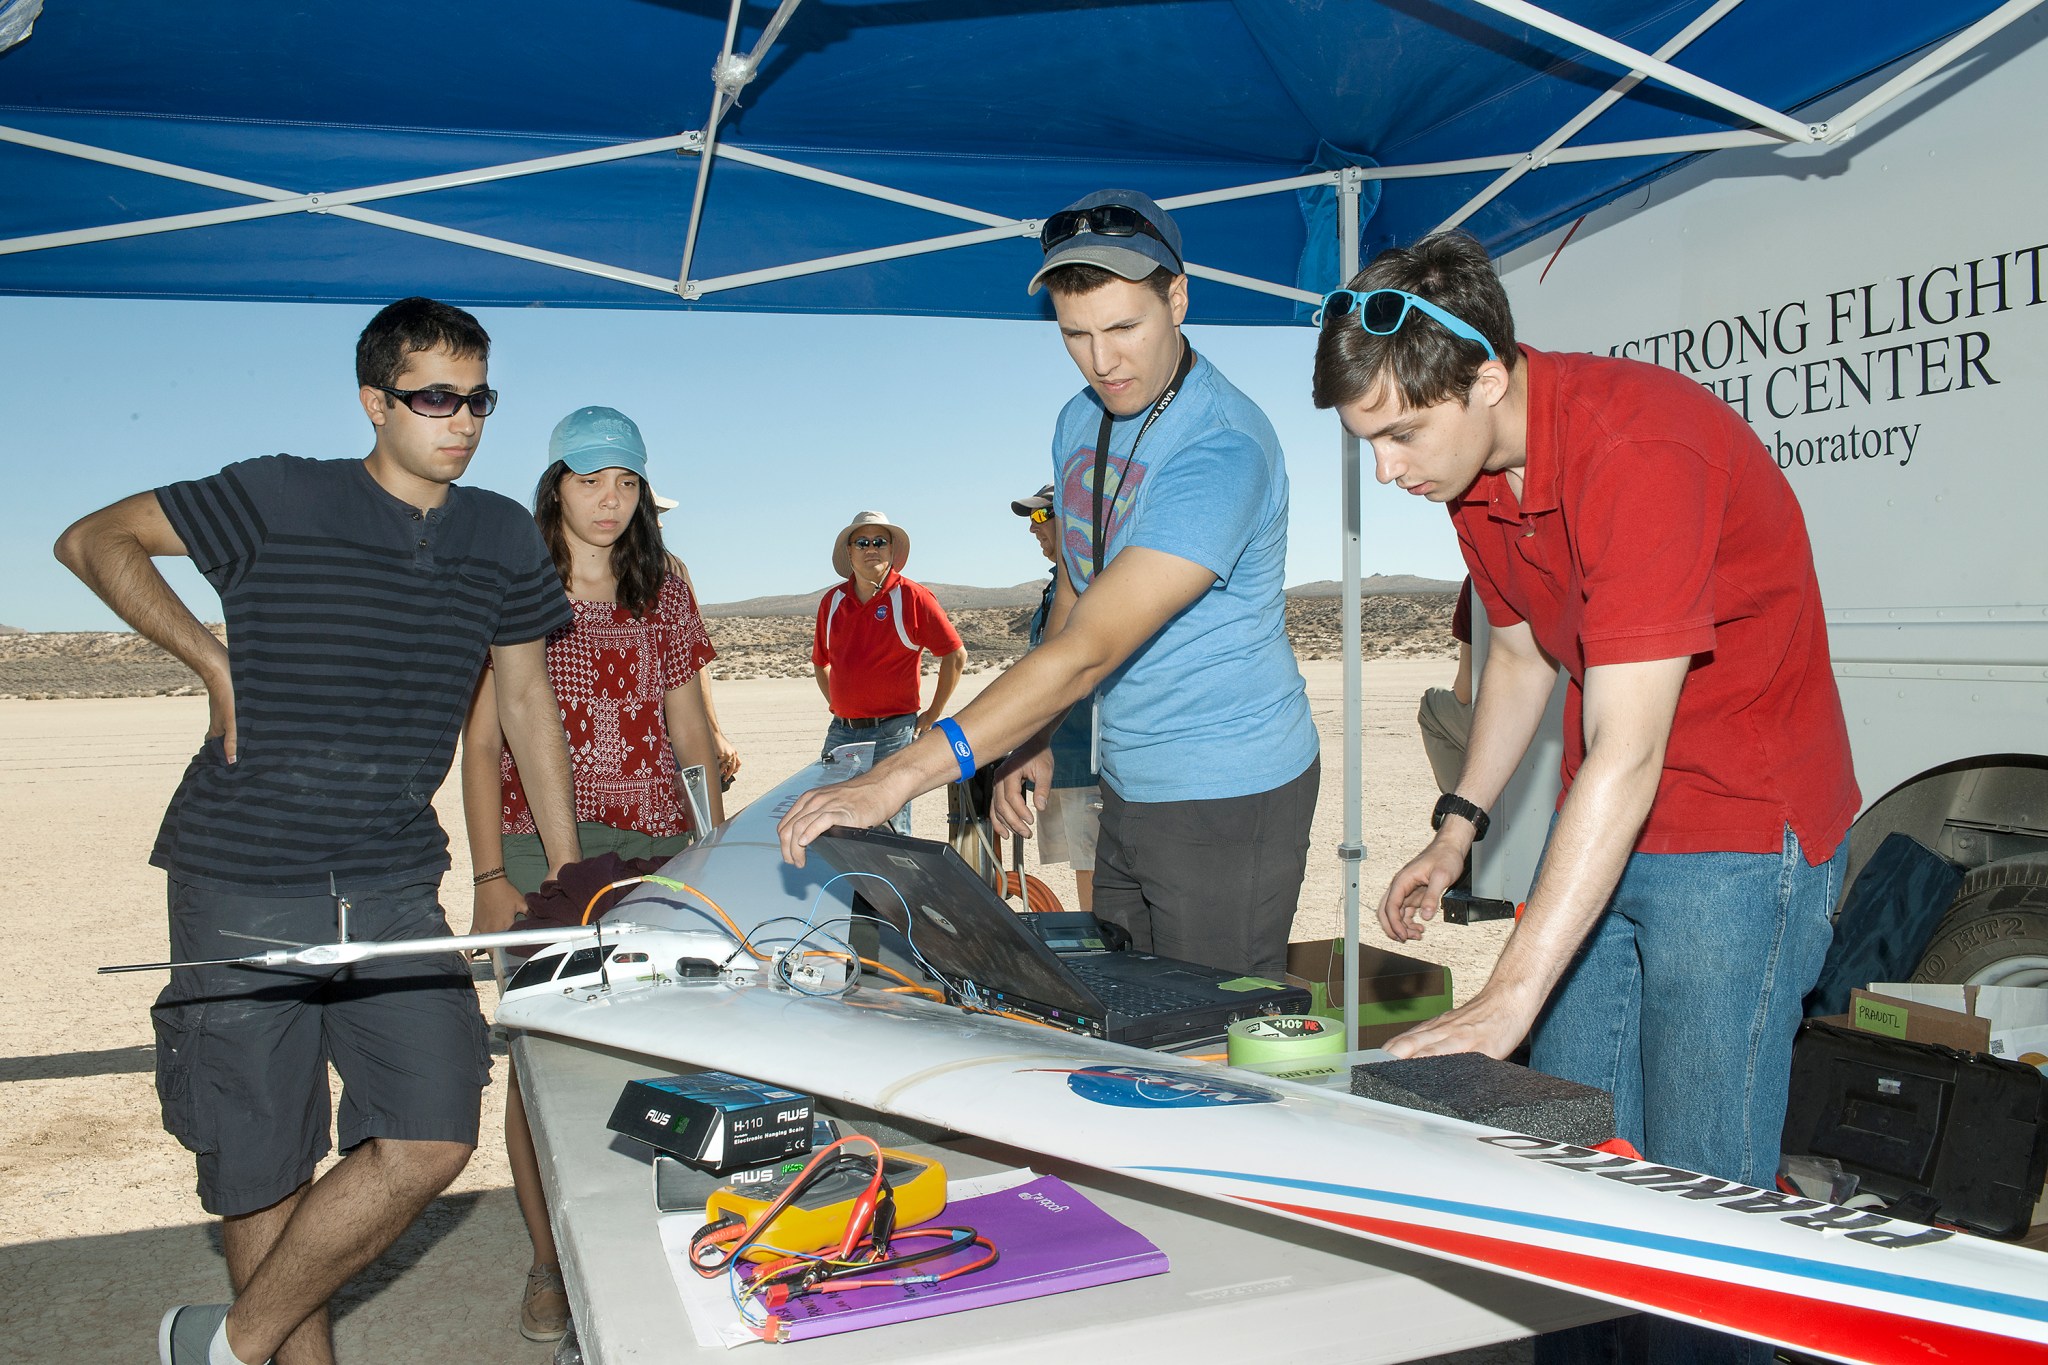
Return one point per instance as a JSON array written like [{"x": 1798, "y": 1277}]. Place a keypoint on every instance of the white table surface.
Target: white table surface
[{"x": 1243, "y": 1283}]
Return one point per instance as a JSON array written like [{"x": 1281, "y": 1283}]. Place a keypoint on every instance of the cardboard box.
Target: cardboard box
[
  {"x": 2028, "y": 1044},
  {"x": 1914, "y": 1022},
  {"x": 2018, "y": 1015},
  {"x": 1394, "y": 993}
]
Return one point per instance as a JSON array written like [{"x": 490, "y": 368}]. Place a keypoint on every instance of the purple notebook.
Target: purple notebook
[{"x": 1051, "y": 1239}]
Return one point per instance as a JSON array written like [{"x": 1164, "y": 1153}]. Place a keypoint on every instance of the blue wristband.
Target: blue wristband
[{"x": 963, "y": 753}]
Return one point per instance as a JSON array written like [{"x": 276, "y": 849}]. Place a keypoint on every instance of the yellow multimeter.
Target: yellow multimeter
[{"x": 816, "y": 1218}]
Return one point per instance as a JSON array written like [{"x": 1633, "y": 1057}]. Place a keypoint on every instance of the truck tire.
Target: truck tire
[{"x": 1996, "y": 929}]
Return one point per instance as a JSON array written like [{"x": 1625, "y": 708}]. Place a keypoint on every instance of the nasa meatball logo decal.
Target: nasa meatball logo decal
[
  {"x": 881, "y": 611},
  {"x": 1140, "y": 1087}
]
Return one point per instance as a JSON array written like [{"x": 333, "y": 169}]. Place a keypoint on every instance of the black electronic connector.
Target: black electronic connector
[{"x": 1462, "y": 907}]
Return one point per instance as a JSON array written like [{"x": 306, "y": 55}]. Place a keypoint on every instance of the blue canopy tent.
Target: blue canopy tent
[{"x": 873, "y": 156}]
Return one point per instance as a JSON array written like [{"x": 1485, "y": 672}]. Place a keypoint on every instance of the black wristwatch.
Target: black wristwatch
[{"x": 1450, "y": 803}]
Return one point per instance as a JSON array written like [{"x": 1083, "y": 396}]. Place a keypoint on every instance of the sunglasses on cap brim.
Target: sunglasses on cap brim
[
  {"x": 1104, "y": 220},
  {"x": 1382, "y": 311}
]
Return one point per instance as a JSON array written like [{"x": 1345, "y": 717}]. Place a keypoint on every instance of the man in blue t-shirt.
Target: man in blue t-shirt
[
  {"x": 361, "y": 599},
  {"x": 1171, "y": 496}
]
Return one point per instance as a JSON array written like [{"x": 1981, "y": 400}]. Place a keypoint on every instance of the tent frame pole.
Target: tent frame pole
[
  {"x": 1613, "y": 96},
  {"x": 733, "y": 73},
  {"x": 710, "y": 131},
  {"x": 277, "y": 202},
  {"x": 1844, "y": 124},
  {"x": 728, "y": 77},
  {"x": 1604, "y": 151},
  {"x": 1629, "y": 59},
  {"x": 1351, "y": 518},
  {"x": 345, "y": 203},
  {"x": 796, "y": 170}
]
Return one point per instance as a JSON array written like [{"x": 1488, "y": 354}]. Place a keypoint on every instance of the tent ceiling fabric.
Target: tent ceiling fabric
[{"x": 1011, "y": 107}]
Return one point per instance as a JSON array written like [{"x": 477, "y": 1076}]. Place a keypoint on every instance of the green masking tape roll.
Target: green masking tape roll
[{"x": 1301, "y": 1041}]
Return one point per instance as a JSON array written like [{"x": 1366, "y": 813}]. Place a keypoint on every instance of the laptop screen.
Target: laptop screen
[{"x": 958, "y": 924}]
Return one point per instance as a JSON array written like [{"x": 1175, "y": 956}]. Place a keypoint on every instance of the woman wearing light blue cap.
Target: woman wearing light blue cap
[{"x": 628, "y": 677}]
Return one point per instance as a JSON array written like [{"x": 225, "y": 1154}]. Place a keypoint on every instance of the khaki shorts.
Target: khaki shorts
[{"x": 1068, "y": 826}]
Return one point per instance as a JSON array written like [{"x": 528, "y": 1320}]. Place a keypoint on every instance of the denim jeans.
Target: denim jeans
[
  {"x": 1683, "y": 1002},
  {"x": 891, "y": 735}
]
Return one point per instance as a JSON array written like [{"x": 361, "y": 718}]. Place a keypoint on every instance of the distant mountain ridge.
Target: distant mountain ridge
[
  {"x": 120, "y": 663},
  {"x": 960, "y": 597},
  {"x": 952, "y": 596},
  {"x": 1376, "y": 585}
]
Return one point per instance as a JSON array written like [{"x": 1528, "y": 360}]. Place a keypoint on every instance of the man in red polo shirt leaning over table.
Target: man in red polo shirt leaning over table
[
  {"x": 1624, "y": 523},
  {"x": 870, "y": 640}
]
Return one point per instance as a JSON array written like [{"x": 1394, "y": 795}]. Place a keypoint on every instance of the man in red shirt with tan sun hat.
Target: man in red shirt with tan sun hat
[{"x": 872, "y": 634}]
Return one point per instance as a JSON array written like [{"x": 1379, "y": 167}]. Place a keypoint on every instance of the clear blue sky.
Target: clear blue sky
[{"x": 772, "y": 430}]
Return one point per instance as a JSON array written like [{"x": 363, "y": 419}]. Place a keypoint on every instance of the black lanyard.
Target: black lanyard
[{"x": 1180, "y": 377}]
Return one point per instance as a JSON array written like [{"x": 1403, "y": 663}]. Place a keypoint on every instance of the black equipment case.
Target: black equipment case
[{"x": 1941, "y": 1136}]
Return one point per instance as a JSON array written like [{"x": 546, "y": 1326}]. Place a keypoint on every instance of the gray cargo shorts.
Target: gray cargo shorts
[{"x": 242, "y": 1052}]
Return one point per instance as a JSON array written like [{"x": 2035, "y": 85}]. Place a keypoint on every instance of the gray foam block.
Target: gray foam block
[{"x": 1476, "y": 1088}]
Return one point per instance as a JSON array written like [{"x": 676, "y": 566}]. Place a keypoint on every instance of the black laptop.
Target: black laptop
[{"x": 972, "y": 940}]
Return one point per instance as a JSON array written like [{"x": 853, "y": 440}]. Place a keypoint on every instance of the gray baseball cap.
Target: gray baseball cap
[
  {"x": 1024, "y": 507},
  {"x": 1132, "y": 256}
]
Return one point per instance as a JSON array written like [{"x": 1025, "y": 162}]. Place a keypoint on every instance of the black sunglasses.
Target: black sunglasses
[
  {"x": 1104, "y": 220},
  {"x": 444, "y": 402},
  {"x": 871, "y": 542}
]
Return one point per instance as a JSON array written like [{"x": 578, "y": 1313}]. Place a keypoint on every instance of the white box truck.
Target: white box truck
[{"x": 1878, "y": 311}]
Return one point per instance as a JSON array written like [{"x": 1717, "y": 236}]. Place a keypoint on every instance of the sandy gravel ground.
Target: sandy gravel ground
[{"x": 99, "y": 1229}]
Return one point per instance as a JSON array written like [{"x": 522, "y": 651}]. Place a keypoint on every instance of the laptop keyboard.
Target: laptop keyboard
[{"x": 1134, "y": 998}]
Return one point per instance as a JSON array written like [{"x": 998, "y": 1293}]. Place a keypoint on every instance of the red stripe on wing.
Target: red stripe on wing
[{"x": 1866, "y": 1335}]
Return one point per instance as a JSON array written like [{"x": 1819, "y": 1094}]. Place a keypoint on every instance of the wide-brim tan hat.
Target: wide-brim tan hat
[{"x": 899, "y": 542}]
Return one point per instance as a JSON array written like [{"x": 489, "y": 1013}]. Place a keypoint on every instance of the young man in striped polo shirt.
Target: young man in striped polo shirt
[{"x": 361, "y": 597}]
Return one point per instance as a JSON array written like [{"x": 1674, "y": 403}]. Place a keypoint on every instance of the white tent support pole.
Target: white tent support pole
[
  {"x": 395, "y": 222},
  {"x": 1664, "y": 146},
  {"x": 149, "y": 227},
  {"x": 874, "y": 190},
  {"x": 1585, "y": 116},
  {"x": 1629, "y": 59},
  {"x": 773, "y": 31},
  {"x": 1600, "y": 151},
  {"x": 799, "y": 171},
  {"x": 1352, "y": 850},
  {"x": 498, "y": 246},
  {"x": 1844, "y": 123},
  {"x": 512, "y": 170},
  {"x": 166, "y": 170},
  {"x": 822, "y": 264},
  {"x": 998, "y": 227},
  {"x": 732, "y": 24},
  {"x": 278, "y": 202},
  {"x": 1257, "y": 286},
  {"x": 930, "y": 245},
  {"x": 728, "y": 78},
  {"x": 1251, "y": 191}
]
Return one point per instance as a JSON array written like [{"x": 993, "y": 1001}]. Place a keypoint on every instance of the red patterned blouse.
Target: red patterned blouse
[{"x": 611, "y": 671}]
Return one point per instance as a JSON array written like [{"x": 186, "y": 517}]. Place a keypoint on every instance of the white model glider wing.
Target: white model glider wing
[{"x": 1838, "y": 1282}]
